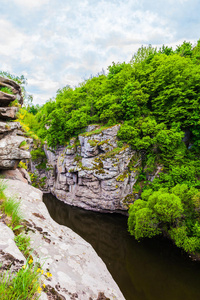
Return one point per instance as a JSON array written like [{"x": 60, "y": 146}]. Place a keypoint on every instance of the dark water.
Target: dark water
[{"x": 149, "y": 270}]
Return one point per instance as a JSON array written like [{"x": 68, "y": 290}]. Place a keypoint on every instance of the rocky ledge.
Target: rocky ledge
[
  {"x": 12, "y": 140},
  {"x": 14, "y": 89},
  {"x": 77, "y": 271}
]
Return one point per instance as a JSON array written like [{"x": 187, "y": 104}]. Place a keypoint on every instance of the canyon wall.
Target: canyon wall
[{"x": 95, "y": 171}]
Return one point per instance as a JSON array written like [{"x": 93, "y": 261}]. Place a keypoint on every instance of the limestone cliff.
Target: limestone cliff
[
  {"x": 12, "y": 141},
  {"x": 92, "y": 172}
]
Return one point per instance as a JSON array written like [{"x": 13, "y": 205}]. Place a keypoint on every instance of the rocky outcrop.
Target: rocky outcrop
[
  {"x": 17, "y": 174},
  {"x": 11, "y": 138},
  {"x": 15, "y": 92},
  {"x": 77, "y": 271},
  {"x": 95, "y": 171}
]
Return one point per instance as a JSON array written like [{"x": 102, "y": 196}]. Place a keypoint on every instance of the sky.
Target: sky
[{"x": 55, "y": 43}]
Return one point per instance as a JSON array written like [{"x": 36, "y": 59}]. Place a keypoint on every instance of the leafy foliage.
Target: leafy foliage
[{"x": 173, "y": 211}]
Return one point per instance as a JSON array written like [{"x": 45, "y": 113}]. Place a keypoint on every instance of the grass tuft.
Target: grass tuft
[
  {"x": 22, "y": 285},
  {"x": 11, "y": 207},
  {"x": 6, "y": 90},
  {"x": 2, "y": 188}
]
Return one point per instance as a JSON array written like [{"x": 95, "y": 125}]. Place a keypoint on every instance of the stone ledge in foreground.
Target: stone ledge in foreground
[{"x": 77, "y": 271}]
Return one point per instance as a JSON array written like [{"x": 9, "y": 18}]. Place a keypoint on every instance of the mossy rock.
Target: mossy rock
[
  {"x": 122, "y": 176},
  {"x": 93, "y": 143}
]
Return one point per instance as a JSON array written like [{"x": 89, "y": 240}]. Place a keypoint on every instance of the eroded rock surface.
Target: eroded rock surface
[
  {"x": 8, "y": 113},
  {"x": 92, "y": 172},
  {"x": 77, "y": 271},
  {"x": 17, "y": 174},
  {"x": 8, "y": 247}
]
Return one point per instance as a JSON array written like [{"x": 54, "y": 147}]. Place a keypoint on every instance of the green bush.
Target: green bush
[
  {"x": 37, "y": 154},
  {"x": 171, "y": 211}
]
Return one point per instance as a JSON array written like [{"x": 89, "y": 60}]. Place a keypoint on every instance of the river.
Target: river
[{"x": 153, "y": 269}]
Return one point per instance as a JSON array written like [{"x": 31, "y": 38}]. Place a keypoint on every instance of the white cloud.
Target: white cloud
[
  {"x": 11, "y": 39},
  {"x": 45, "y": 83},
  {"x": 30, "y": 4}
]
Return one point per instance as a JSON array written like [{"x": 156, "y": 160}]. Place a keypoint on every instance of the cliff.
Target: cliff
[
  {"x": 12, "y": 140},
  {"x": 94, "y": 171}
]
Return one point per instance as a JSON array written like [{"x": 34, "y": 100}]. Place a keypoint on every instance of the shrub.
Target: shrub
[
  {"x": 167, "y": 210},
  {"x": 22, "y": 165}
]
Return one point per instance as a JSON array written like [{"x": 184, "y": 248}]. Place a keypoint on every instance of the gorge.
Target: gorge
[
  {"x": 124, "y": 142},
  {"x": 76, "y": 270}
]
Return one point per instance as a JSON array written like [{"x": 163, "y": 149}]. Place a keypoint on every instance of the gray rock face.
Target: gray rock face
[
  {"x": 8, "y": 113},
  {"x": 10, "y": 152},
  {"x": 9, "y": 127},
  {"x": 7, "y": 244},
  {"x": 11, "y": 137},
  {"x": 6, "y": 99},
  {"x": 77, "y": 271},
  {"x": 92, "y": 173}
]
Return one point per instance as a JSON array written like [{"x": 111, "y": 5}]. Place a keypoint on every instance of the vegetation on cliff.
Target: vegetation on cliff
[{"x": 156, "y": 99}]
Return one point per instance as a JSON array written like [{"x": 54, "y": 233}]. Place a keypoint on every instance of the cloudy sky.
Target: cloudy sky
[{"x": 55, "y": 43}]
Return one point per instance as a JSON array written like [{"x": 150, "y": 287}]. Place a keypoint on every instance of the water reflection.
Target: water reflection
[{"x": 149, "y": 270}]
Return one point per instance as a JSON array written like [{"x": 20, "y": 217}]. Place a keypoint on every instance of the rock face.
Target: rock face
[
  {"x": 11, "y": 138},
  {"x": 8, "y": 113},
  {"x": 92, "y": 172},
  {"x": 77, "y": 271},
  {"x": 15, "y": 90}
]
